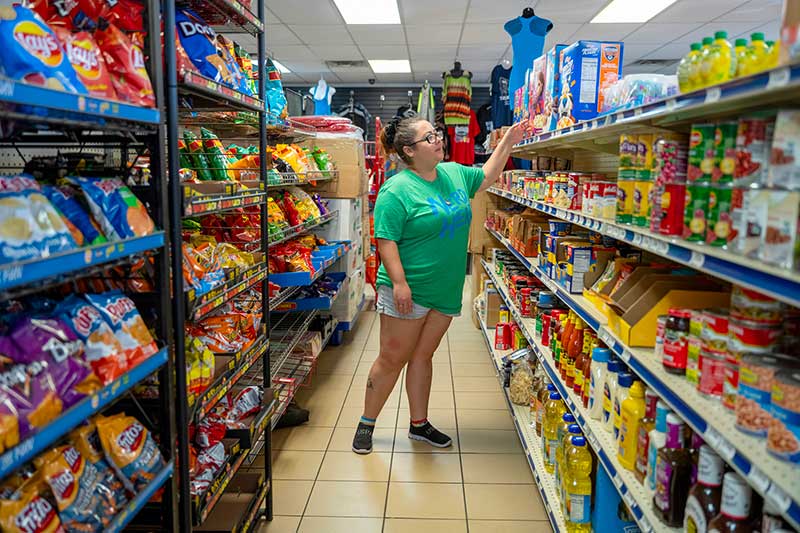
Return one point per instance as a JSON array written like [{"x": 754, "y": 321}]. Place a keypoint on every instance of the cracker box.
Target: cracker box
[
  {"x": 586, "y": 68},
  {"x": 552, "y": 86}
]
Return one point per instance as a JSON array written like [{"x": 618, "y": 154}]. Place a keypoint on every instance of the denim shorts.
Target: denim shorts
[{"x": 385, "y": 306}]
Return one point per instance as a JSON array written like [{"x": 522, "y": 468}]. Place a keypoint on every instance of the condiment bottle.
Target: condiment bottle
[
  {"x": 575, "y": 348},
  {"x": 631, "y": 413},
  {"x": 657, "y": 439},
  {"x": 609, "y": 393},
  {"x": 646, "y": 425},
  {"x": 563, "y": 341},
  {"x": 673, "y": 472},
  {"x": 586, "y": 370},
  {"x": 624, "y": 384},
  {"x": 705, "y": 496},
  {"x": 580, "y": 363},
  {"x": 734, "y": 513},
  {"x": 597, "y": 380}
]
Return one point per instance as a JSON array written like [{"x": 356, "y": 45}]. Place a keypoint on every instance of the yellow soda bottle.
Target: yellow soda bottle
[
  {"x": 554, "y": 409},
  {"x": 742, "y": 52},
  {"x": 759, "y": 51},
  {"x": 578, "y": 515},
  {"x": 774, "y": 53},
  {"x": 688, "y": 62},
  {"x": 723, "y": 60},
  {"x": 705, "y": 63}
]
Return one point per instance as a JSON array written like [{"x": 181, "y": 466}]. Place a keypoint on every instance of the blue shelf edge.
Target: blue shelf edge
[
  {"x": 133, "y": 507},
  {"x": 33, "y": 270},
  {"x": 35, "y": 444}
]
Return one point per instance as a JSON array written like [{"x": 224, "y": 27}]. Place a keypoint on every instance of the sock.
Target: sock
[
  {"x": 419, "y": 423},
  {"x": 367, "y": 421}
]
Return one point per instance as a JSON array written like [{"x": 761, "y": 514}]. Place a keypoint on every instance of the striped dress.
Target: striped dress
[{"x": 457, "y": 97}]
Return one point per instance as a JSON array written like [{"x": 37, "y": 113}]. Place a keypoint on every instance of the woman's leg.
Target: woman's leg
[
  {"x": 420, "y": 368},
  {"x": 398, "y": 338}
]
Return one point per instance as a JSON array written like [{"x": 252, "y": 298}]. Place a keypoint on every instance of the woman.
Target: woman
[{"x": 422, "y": 220}]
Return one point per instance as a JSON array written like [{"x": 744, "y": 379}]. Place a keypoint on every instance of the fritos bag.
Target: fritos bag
[
  {"x": 130, "y": 449},
  {"x": 115, "y": 207},
  {"x": 29, "y": 512},
  {"x": 88, "y": 62},
  {"x": 87, "y": 441},
  {"x": 121, "y": 314},
  {"x": 125, "y": 61}
]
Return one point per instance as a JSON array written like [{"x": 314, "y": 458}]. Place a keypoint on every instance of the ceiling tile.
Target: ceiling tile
[
  {"x": 247, "y": 41},
  {"x": 755, "y": 11},
  {"x": 393, "y": 78},
  {"x": 696, "y": 11},
  {"x": 604, "y": 32},
  {"x": 481, "y": 52},
  {"x": 561, "y": 11},
  {"x": 301, "y": 67},
  {"x": 314, "y": 34},
  {"x": 383, "y": 51},
  {"x": 339, "y": 52},
  {"x": 377, "y": 33},
  {"x": 660, "y": 32},
  {"x": 431, "y": 65},
  {"x": 560, "y": 34},
  {"x": 428, "y": 11},
  {"x": 633, "y": 51},
  {"x": 669, "y": 51},
  {"x": 771, "y": 31},
  {"x": 351, "y": 77},
  {"x": 496, "y": 11},
  {"x": 422, "y": 34},
  {"x": 323, "y": 12},
  {"x": 291, "y": 53},
  {"x": 484, "y": 34},
  {"x": 707, "y": 30},
  {"x": 425, "y": 53},
  {"x": 280, "y": 33}
]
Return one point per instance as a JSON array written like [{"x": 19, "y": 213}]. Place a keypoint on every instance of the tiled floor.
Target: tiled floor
[{"x": 481, "y": 484}]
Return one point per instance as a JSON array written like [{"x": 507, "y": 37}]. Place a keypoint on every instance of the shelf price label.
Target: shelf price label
[
  {"x": 778, "y": 78},
  {"x": 629, "y": 500},
  {"x": 697, "y": 259},
  {"x": 720, "y": 443},
  {"x": 637, "y": 112},
  {"x": 779, "y": 498},
  {"x": 713, "y": 94},
  {"x": 637, "y": 239},
  {"x": 625, "y": 355},
  {"x": 672, "y": 105},
  {"x": 758, "y": 479},
  {"x": 606, "y": 337}
]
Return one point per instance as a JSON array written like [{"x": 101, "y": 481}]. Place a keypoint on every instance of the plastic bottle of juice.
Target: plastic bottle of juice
[
  {"x": 567, "y": 419},
  {"x": 759, "y": 52},
  {"x": 742, "y": 52},
  {"x": 722, "y": 66},
  {"x": 774, "y": 53},
  {"x": 688, "y": 62},
  {"x": 554, "y": 409},
  {"x": 704, "y": 62},
  {"x": 578, "y": 486}
]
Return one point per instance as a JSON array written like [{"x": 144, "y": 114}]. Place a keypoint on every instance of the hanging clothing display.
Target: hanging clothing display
[
  {"x": 462, "y": 140},
  {"x": 457, "y": 96},
  {"x": 426, "y": 106},
  {"x": 322, "y": 93},
  {"x": 485, "y": 123},
  {"x": 358, "y": 114},
  {"x": 501, "y": 100},
  {"x": 527, "y": 42}
]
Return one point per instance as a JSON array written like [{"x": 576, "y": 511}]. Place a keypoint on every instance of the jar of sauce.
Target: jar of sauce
[{"x": 676, "y": 341}]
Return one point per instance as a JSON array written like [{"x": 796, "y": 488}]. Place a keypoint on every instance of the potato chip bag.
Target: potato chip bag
[
  {"x": 69, "y": 14},
  {"x": 88, "y": 62},
  {"x": 127, "y": 15},
  {"x": 130, "y": 449},
  {"x": 125, "y": 62},
  {"x": 32, "y": 53},
  {"x": 243, "y": 403},
  {"x": 197, "y": 155},
  {"x": 30, "y": 396},
  {"x": 29, "y": 512},
  {"x": 102, "y": 349},
  {"x": 9, "y": 423},
  {"x": 121, "y": 314},
  {"x": 84, "y": 503},
  {"x": 115, "y": 207},
  {"x": 64, "y": 199},
  {"x": 276, "y": 98},
  {"x": 30, "y": 227},
  {"x": 306, "y": 207},
  {"x": 246, "y": 168},
  {"x": 209, "y": 462},
  {"x": 87, "y": 441},
  {"x": 215, "y": 155}
]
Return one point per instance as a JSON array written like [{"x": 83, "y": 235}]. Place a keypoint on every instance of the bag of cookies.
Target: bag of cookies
[
  {"x": 115, "y": 207},
  {"x": 130, "y": 449},
  {"x": 121, "y": 314}
]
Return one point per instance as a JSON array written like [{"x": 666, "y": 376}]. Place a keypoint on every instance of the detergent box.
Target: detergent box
[
  {"x": 552, "y": 87},
  {"x": 586, "y": 68}
]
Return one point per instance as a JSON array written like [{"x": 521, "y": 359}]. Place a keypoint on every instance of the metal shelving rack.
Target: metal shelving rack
[
  {"x": 50, "y": 122},
  {"x": 246, "y": 495}
]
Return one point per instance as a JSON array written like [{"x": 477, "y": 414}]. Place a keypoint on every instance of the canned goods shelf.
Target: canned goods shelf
[
  {"x": 770, "y": 88},
  {"x": 778, "y": 283},
  {"x": 770, "y": 477}
]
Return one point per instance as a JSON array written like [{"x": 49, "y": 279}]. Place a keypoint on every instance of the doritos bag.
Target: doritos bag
[
  {"x": 88, "y": 62},
  {"x": 32, "y": 53},
  {"x": 125, "y": 61},
  {"x": 29, "y": 512},
  {"x": 29, "y": 395},
  {"x": 121, "y": 314},
  {"x": 84, "y": 503},
  {"x": 115, "y": 207},
  {"x": 87, "y": 441},
  {"x": 130, "y": 449}
]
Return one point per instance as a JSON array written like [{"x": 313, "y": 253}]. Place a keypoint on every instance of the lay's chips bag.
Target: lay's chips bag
[
  {"x": 115, "y": 207},
  {"x": 32, "y": 53},
  {"x": 130, "y": 449},
  {"x": 85, "y": 57},
  {"x": 125, "y": 62},
  {"x": 66, "y": 202}
]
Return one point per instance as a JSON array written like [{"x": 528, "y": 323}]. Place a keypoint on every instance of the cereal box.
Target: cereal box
[
  {"x": 586, "y": 68},
  {"x": 536, "y": 95},
  {"x": 552, "y": 86}
]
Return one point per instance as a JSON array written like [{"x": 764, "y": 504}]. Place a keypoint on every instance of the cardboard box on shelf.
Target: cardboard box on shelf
[
  {"x": 350, "y": 261},
  {"x": 586, "y": 68},
  {"x": 366, "y": 247},
  {"x": 492, "y": 309},
  {"x": 347, "y": 226},
  {"x": 344, "y": 151},
  {"x": 552, "y": 86},
  {"x": 350, "y": 183},
  {"x": 482, "y": 204},
  {"x": 351, "y": 294}
]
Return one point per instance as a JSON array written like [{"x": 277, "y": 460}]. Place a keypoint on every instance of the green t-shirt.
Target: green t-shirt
[{"x": 429, "y": 221}]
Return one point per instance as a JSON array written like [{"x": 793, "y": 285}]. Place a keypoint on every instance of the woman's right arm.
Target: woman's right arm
[{"x": 390, "y": 257}]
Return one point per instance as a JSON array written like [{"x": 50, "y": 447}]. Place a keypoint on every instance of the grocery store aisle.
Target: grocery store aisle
[{"x": 481, "y": 484}]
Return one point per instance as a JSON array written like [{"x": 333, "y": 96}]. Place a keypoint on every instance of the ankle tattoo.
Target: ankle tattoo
[{"x": 369, "y": 383}]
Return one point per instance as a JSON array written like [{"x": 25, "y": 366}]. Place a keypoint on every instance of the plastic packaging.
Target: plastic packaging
[
  {"x": 599, "y": 369},
  {"x": 624, "y": 384}
]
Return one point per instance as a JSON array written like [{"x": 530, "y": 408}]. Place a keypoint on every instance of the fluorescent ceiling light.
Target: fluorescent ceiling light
[
  {"x": 390, "y": 66},
  {"x": 621, "y": 11},
  {"x": 278, "y": 65},
  {"x": 369, "y": 11}
]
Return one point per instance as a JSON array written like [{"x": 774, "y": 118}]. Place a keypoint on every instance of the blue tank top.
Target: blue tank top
[
  {"x": 527, "y": 41},
  {"x": 321, "y": 105}
]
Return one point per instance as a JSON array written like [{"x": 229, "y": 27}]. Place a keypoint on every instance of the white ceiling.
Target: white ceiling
[{"x": 304, "y": 34}]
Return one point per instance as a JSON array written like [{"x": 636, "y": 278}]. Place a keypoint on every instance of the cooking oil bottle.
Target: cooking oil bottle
[
  {"x": 554, "y": 410},
  {"x": 578, "y": 498},
  {"x": 573, "y": 431},
  {"x": 567, "y": 419}
]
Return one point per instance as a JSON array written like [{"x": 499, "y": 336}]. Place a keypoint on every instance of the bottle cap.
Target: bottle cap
[
  {"x": 770, "y": 43},
  {"x": 613, "y": 365},
  {"x": 574, "y": 429},
  {"x": 721, "y": 35},
  {"x": 551, "y": 387},
  {"x": 740, "y": 42},
  {"x": 637, "y": 389},
  {"x": 545, "y": 298},
  {"x": 555, "y": 396},
  {"x": 708, "y": 40},
  {"x": 601, "y": 355},
  {"x": 568, "y": 417},
  {"x": 757, "y": 36},
  {"x": 696, "y": 46},
  {"x": 625, "y": 379},
  {"x": 578, "y": 440}
]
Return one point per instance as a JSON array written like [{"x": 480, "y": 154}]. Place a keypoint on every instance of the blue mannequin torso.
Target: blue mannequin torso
[{"x": 527, "y": 41}]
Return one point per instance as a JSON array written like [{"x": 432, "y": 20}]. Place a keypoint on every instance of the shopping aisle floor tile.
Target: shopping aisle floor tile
[{"x": 481, "y": 484}]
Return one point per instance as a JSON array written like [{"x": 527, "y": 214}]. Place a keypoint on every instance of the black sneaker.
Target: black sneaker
[
  {"x": 362, "y": 442},
  {"x": 431, "y": 435}
]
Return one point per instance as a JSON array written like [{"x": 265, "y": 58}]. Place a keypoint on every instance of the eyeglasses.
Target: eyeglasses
[{"x": 430, "y": 138}]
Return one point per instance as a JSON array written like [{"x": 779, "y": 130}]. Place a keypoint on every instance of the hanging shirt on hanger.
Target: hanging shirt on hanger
[
  {"x": 457, "y": 98},
  {"x": 462, "y": 140},
  {"x": 426, "y": 107},
  {"x": 527, "y": 42},
  {"x": 322, "y": 94},
  {"x": 485, "y": 123},
  {"x": 502, "y": 113}
]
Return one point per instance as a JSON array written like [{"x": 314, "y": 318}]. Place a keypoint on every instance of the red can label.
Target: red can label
[
  {"x": 712, "y": 373},
  {"x": 502, "y": 336},
  {"x": 676, "y": 347}
]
